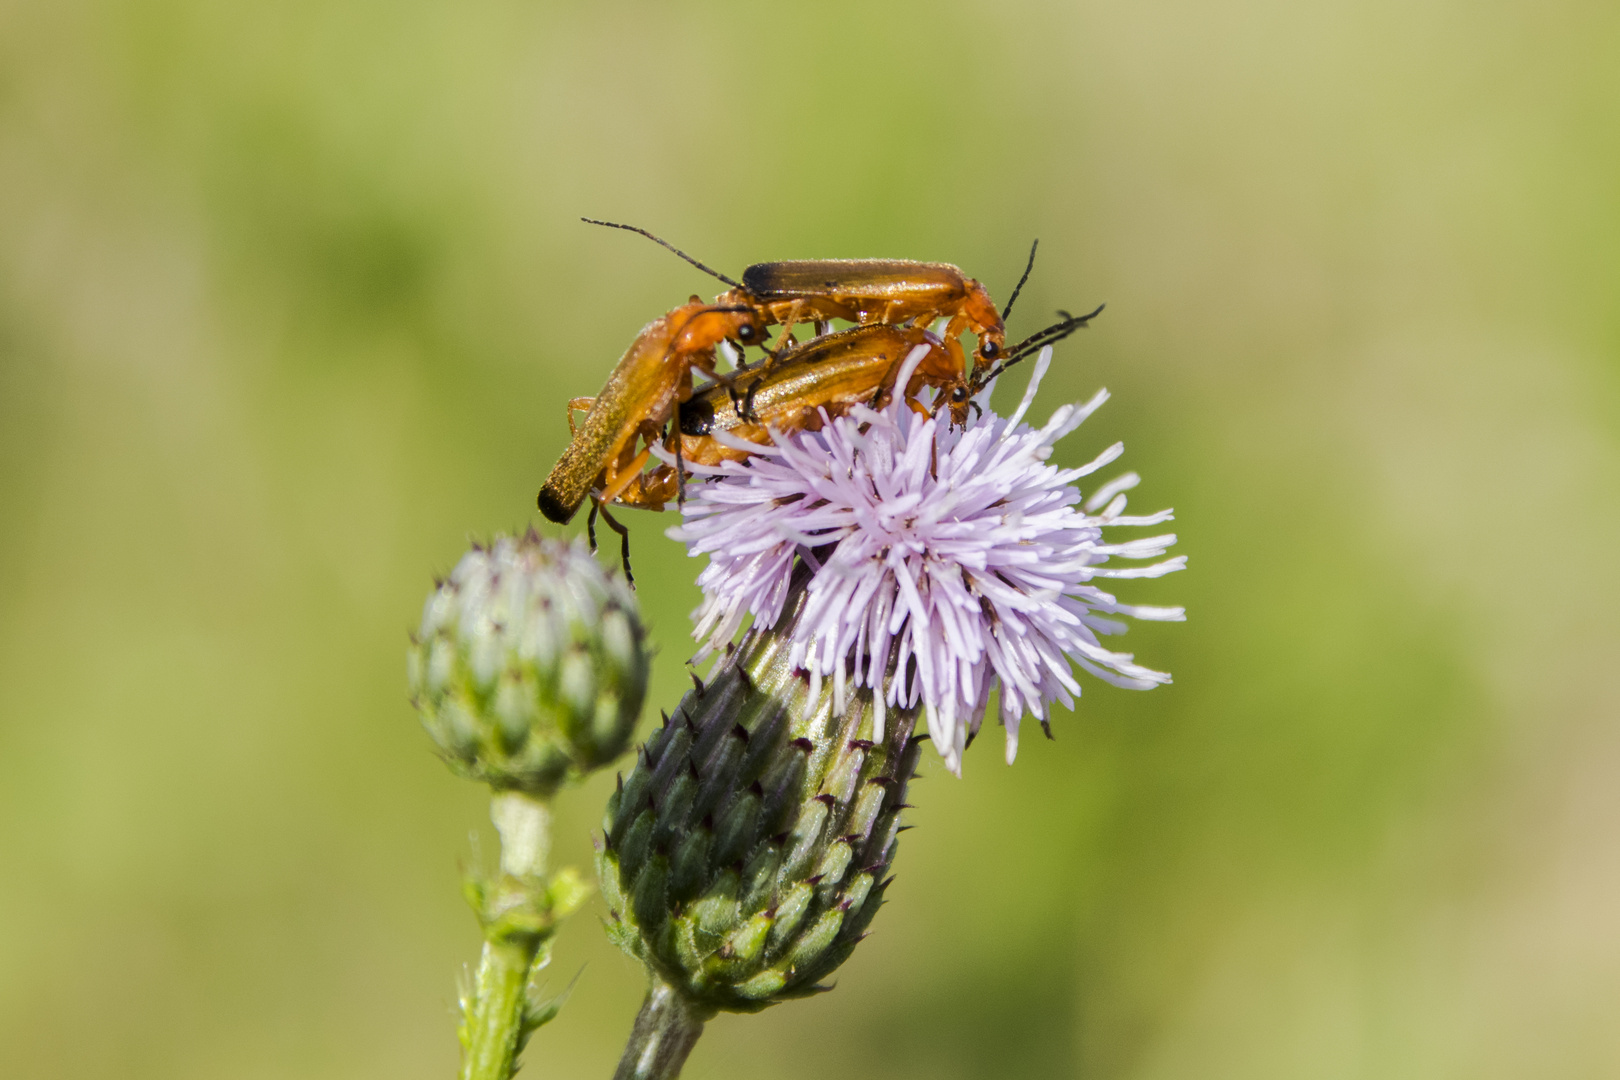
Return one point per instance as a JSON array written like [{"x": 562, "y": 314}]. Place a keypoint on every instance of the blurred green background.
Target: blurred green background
[{"x": 291, "y": 296}]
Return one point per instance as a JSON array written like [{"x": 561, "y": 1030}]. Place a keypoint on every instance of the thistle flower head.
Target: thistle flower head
[
  {"x": 958, "y": 559},
  {"x": 529, "y": 667}
]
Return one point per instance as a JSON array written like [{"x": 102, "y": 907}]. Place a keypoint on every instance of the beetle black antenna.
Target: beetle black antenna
[
  {"x": 1006, "y": 311},
  {"x": 1054, "y": 333},
  {"x": 711, "y": 271}
]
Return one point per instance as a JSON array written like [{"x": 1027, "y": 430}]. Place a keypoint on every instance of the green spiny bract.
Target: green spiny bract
[
  {"x": 529, "y": 668},
  {"x": 748, "y": 849}
]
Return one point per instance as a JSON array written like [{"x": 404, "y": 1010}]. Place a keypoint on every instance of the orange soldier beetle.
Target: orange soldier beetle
[
  {"x": 864, "y": 291},
  {"x": 831, "y": 373},
  {"x": 640, "y": 396}
]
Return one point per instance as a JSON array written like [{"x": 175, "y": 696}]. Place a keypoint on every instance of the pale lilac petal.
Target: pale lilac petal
[{"x": 957, "y": 558}]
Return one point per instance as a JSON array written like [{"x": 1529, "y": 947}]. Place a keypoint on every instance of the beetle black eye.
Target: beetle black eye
[
  {"x": 959, "y": 394},
  {"x": 989, "y": 350},
  {"x": 745, "y": 333}
]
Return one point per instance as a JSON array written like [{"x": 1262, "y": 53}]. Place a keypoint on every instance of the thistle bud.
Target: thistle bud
[
  {"x": 749, "y": 847},
  {"x": 529, "y": 668}
]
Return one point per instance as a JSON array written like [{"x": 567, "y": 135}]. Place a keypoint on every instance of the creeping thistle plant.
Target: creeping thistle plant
[{"x": 886, "y": 579}]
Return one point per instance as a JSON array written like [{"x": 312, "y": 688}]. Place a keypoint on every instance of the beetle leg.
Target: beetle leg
[
  {"x": 590, "y": 525},
  {"x": 680, "y": 474},
  {"x": 727, "y": 379},
  {"x": 660, "y": 479},
  {"x": 788, "y": 320},
  {"x": 579, "y": 404},
  {"x": 744, "y": 402},
  {"x": 739, "y": 401},
  {"x": 624, "y": 543},
  {"x": 674, "y": 441},
  {"x": 622, "y": 477},
  {"x": 747, "y": 410},
  {"x": 648, "y": 492}
]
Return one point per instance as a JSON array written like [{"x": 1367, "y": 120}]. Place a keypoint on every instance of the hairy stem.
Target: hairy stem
[
  {"x": 495, "y": 1022},
  {"x": 524, "y": 824},
  {"x": 666, "y": 1030}
]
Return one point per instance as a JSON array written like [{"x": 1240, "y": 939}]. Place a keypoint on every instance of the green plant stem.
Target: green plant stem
[
  {"x": 495, "y": 1020},
  {"x": 666, "y": 1030},
  {"x": 524, "y": 824},
  {"x": 495, "y": 1024}
]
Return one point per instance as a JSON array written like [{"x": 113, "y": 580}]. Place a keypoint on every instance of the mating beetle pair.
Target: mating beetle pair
[
  {"x": 892, "y": 301},
  {"x": 823, "y": 377}
]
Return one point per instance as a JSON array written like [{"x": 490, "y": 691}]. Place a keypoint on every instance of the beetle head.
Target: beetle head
[
  {"x": 711, "y": 324},
  {"x": 748, "y": 326},
  {"x": 983, "y": 374},
  {"x": 986, "y": 321},
  {"x": 958, "y": 398},
  {"x": 992, "y": 348},
  {"x": 945, "y": 369}
]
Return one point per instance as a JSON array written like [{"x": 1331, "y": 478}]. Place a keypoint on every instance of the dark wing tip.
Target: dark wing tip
[{"x": 554, "y": 508}]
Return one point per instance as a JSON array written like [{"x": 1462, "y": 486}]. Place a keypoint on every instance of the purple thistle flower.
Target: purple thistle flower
[{"x": 957, "y": 559}]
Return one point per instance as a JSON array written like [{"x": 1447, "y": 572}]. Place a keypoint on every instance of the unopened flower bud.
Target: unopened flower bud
[
  {"x": 529, "y": 668},
  {"x": 749, "y": 847}
]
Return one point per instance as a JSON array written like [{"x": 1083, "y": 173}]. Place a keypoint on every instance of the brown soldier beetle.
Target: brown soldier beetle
[
  {"x": 829, "y": 374},
  {"x": 639, "y": 398},
  {"x": 863, "y": 291},
  {"x": 655, "y": 374}
]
